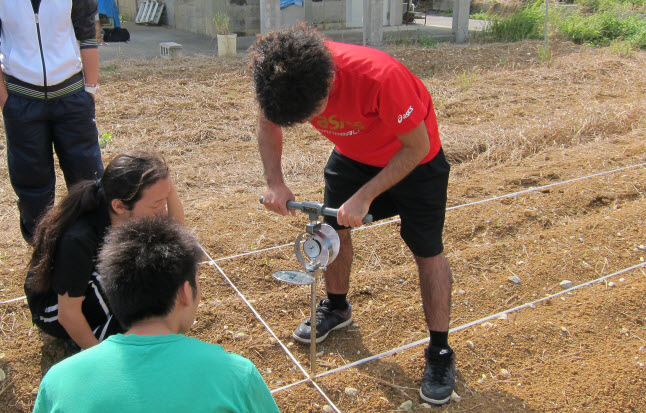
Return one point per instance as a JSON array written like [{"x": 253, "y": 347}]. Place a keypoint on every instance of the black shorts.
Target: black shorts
[{"x": 419, "y": 199}]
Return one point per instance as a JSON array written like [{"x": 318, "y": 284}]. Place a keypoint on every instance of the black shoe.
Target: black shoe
[
  {"x": 327, "y": 319},
  {"x": 438, "y": 380}
]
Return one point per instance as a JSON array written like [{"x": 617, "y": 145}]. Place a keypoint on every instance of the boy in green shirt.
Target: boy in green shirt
[{"x": 149, "y": 271}]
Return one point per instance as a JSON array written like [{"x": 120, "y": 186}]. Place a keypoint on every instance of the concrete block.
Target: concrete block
[{"x": 170, "y": 49}]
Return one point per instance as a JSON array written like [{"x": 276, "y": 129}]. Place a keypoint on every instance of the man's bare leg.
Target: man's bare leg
[
  {"x": 435, "y": 284},
  {"x": 337, "y": 275}
]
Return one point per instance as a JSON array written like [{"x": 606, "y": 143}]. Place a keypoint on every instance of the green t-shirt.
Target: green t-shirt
[{"x": 165, "y": 373}]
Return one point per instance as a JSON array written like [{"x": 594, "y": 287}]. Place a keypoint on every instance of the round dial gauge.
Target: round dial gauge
[{"x": 312, "y": 248}]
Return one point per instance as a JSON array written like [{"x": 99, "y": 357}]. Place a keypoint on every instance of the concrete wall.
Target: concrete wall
[
  {"x": 197, "y": 15},
  {"x": 127, "y": 8}
]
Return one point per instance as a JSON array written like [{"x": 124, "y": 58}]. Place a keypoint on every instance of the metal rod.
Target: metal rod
[{"x": 313, "y": 330}]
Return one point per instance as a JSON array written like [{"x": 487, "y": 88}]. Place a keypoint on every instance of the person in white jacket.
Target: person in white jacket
[{"x": 50, "y": 64}]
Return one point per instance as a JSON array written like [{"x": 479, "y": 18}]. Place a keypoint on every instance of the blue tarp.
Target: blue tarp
[
  {"x": 285, "y": 3},
  {"x": 109, "y": 8}
]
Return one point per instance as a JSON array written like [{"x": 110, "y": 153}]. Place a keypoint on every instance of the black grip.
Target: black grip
[{"x": 330, "y": 212}]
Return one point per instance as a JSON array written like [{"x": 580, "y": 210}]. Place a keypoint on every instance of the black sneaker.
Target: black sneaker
[
  {"x": 327, "y": 319},
  {"x": 439, "y": 376}
]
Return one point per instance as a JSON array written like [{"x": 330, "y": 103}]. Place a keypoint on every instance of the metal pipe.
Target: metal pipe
[{"x": 313, "y": 330}]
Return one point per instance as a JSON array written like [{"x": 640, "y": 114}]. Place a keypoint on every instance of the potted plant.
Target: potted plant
[{"x": 226, "y": 39}]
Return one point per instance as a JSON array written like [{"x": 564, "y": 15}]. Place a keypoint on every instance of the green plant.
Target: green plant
[
  {"x": 104, "y": 139},
  {"x": 601, "y": 29},
  {"x": 109, "y": 68},
  {"x": 482, "y": 16},
  {"x": 526, "y": 23},
  {"x": 426, "y": 41},
  {"x": 466, "y": 79},
  {"x": 622, "y": 48},
  {"x": 545, "y": 53},
  {"x": 222, "y": 23}
]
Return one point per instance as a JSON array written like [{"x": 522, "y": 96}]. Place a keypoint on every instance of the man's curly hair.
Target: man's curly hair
[{"x": 292, "y": 71}]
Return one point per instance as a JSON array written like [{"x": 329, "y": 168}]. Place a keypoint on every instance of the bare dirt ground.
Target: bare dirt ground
[{"x": 509, "y": 122}]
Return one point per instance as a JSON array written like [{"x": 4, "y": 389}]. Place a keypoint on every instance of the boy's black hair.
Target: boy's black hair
[
  {"x": 143, "y": 264},
  {"x": 292, "y": 71}
]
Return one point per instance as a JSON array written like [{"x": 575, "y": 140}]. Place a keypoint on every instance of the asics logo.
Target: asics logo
[{"x": 400, "y": 118}]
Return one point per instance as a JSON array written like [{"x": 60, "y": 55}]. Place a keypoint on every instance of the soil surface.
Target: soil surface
[{"x": 510, "y": 123}]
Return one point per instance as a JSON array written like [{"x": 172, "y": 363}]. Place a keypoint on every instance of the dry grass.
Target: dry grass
[{"x": 508, "y": 120}]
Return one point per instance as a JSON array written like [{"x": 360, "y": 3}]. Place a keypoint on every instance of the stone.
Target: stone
[
  {"x": 426, "y": 406},
  {"x": 487, "y": 325},
  {"x": 455, "y": 398},
  {"x": 565, "y": 284},
  {"x": 328, "y": 409},
  {"x": 611, "y": 284},
  {"x": 407, "y": 406},
  {"x": 514, "y": 279},
  {"x": 505, "y": 373},
  {"x": 503, "y": 316},
  {"x": 351, "y": 392},
  {"x": 240, "y": 336},
  {"x": 470, "y": 344}
]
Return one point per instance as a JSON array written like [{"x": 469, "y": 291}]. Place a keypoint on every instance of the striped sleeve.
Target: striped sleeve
[
  {"x": 89, "y": 44},
  {"x": 83, "y": 21}
]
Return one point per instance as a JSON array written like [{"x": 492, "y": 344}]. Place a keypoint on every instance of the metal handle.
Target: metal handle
[{"x": 318, "y": 209}]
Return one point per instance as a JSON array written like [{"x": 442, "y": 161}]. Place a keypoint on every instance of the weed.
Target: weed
[
  {"x": 466, "y": 79},
  {"x": 601, "y": 29},
  {"x": 622, "y": 48},
  {"x": 482, "y": 16},
  {"x": 526, "y": 23},
  {"x": 109, "y": 68},
  {"x": 104, "y": 139},
  {"x": 544, "y": 53},
  {"x": 426, "y": 41},
  {"x": 597, "y": 23}
]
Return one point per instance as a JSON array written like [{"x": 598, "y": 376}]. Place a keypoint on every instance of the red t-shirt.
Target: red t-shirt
[{"x": 373, "y": 100}]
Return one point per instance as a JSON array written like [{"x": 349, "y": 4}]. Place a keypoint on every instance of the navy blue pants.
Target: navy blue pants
[{"x": 34, "y": 128}]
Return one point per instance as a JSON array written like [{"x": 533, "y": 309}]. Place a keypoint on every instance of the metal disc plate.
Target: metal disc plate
[{"x": 294, "y": 277}]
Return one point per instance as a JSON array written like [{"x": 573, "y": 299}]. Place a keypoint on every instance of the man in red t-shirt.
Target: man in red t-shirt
[{"x": 388, "y": 161}]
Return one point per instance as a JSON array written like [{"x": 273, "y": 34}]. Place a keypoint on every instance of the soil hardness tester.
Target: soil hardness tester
[{"x": 315, "y": 249}]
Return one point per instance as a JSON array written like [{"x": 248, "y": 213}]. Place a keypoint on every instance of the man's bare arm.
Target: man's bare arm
[{"x": 415, "y": 147}]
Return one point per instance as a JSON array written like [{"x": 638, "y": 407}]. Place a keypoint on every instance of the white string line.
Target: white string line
[
  {"x": 467, "y": 325},
  {"x": 262, "y": 321},
  {"x": 14, "y": 299},
  {"x": 513, "y": 194}
]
